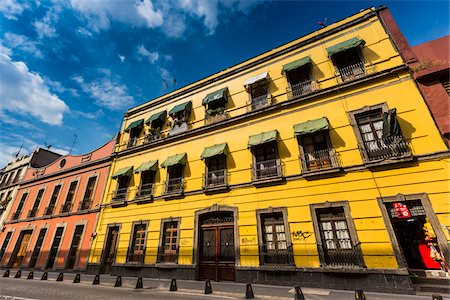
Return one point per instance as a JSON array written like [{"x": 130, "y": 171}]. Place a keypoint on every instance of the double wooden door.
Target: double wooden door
[
  {"x": 20, "y": 250},
  {"x": 109, "y": 251},
  {"x": 217, "y": 252}
]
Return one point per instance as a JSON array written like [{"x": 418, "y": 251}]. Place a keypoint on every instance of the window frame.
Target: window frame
[
  {"x": 207, "y": 167},
  {"x": 350, "y": 226},
  {"x": 55, "y": 205},
  {"x": 74, "y": 195},
  {"x": 131, "y": 242},
  {"x": 94, "y": 189},
  {"x": 168, "y": 178},
  {"x": 162, "y": 237},
  {"x": 25, "y": 193},
  {"x": 44, "y": 189},
  {"x": 253, "y": 150}
]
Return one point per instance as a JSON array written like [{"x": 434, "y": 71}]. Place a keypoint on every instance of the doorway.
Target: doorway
[
  {"x": 73, "y": 251},
  {"x": 20, "y": 250},
  {"x": 37, "y": 248},
  {"x": 109, "y": 251},
  {"x": 216, "y": 246},
  {"x": 55, "y": 247}
]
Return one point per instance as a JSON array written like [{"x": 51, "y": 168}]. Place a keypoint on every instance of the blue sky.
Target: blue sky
[{"x": 73, "y": 67}]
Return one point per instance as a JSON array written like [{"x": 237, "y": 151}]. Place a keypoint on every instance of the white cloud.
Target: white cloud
[
  {"x": 88, "y": 115},
  {"x": 58, "y": 87},
  {"x": 45, "y": 27},
  {"x": 83, "y": 31},
  {"x": 107, "y": 92},
  {"x": 12, "y": 8},
  {"x": 26, "y": 93},
  {"x": 5, "y": 50},
  {"x": 22, "y": 43},
  {"x": 151, "y": 56},
  {"x": 122, "y": 58}
]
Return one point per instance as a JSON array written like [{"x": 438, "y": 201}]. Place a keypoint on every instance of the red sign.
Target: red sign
[{"x": 402, "y": 210}]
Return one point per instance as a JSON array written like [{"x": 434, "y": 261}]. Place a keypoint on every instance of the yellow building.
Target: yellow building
[{"x": 316, "y": 163}]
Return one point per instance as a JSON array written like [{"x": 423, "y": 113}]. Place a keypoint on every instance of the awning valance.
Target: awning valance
[
  {"x": 257, "y": 78},
  {"x": 147, "y": 166},
  {"x": 158, "y": 116},
  {"x": 214, "y": 150},
  {"x": 216, "y": 96},
  {"x": 135, "y": 124},
  {"x": 127, "y": 171},
  {"x": 178, "y": 159},
  {"x": 180, "y": 107},
  {"x": 311, "y": 126},
  {"x": 295, "y": 64},
  {"x": 348, "y": 44},
  {"x": 262, "y": 138}
]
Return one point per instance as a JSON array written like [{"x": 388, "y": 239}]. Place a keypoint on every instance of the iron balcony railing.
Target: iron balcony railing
[
  {"x": 276, "y": 256},
  {"x": 66, "y": 207},
  {"x": 85, "y": 204},
  {"x": 135, "y": 257},
  {"x": 49, "y": 210},
  {"x": 16, "y": 215},
  {"x": 132, "y": 142},
  {"x": 342, "y": 257},
  {"x": 216, "y": 118},
  {"x": 384, "y": 149},
  {"x": 145, "y": 190},
  {"x": 174, "y": 186},
  {"x": 259, "y": 102},
  {"x": 351, "y": 72},
  {"x": 166, "y": 256},
  {"x": 266, "y": 169},
  {"x": 120, "y": 195},
  {"x": 215, "y": 179},
  {"x": 153, "y": 135},
  {"x": 319, "y": 160},
  {"x": 32, "y": 213},
  {"x": 301, "y": 89}
]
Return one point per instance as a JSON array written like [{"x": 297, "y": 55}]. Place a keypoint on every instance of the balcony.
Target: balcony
[
  {"x": 301, "y": 89},
  {"x": 214, "y": 118},
  {"x": 174, "y": 187},
  {"x": 49, "y": 210},
  {"x": 352, "y": 72},
  {"x": 259, "y": 102},
  {"x": 85, "y": 204},
  {"x": 178, "y": 126},
  {"x": 67, "y": 207},
  {"x": 153, "y": 136},
  {"x": 388, "y": 150},
  {"x": 120, "y": 196},
  {"x": 267, "y": 171},
  {"x": 339, "y": 258},
  {"x": 215, "y": 180},
  {"x": 145, "y": 192},
  {"x": 319, "y": 162},
  {"x": 32, "y": 213},
  {"x": 132, "y": 142},
  {"x": 276, "y": 256}
]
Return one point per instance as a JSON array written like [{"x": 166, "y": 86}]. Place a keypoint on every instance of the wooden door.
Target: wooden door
[
  {"x": 55, "y": 247},
  {"x": 37, "y": 248},
  {"x": 109, "y": 252},
  {"x": 76, "y": 240},
  {"x": 21, "y": 248}
]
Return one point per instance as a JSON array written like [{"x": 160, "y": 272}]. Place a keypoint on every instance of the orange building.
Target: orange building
[{"x": 53, "y": 217}]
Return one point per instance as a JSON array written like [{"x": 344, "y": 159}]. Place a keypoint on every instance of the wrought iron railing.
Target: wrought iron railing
[
  {"x": 174, "y": 186},
  {"x": 266, "y": 169},
  {"x": 301, "y": 89},
  {"x": 215, "y": 178},
  {"x": 135, "y": 257},
  {"x": 342, "y": 257},
  {"x": 145, "y": 190},
  {"x": 120, "y": 195},
  {"x": 49, "y": 210},
  {"x": 319, "y": 160},
  {"x": 388, "y": 148},
  {"x": 32, "y": 213},
  {"x": 216, "y": 118},
  {"x": 153, "y": 136},
  {"x": 66, "y": 207},
  {"x": 354, "y": 71},
  {"x": 85, "y": 204},
  {"x": 132, "y": 142},
  {"x": 259, "y": 102},
  {"x": 166, "y": 256},
  {"x": 276, "y": 256}
]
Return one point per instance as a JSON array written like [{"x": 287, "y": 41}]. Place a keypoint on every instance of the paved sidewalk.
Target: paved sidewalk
[{"x": 159, "y": 289}]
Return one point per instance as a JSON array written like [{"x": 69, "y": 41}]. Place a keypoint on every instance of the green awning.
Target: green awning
[
  {"x": 127, "y": 171},
  {"x": 216, "y": 96},
  {"x": 135, "y": 124},
  {"x": 147, "y": 166},
  {"x": 262, "y": 138},
  {"x": 296, "y": 64},
  {"x": 349, "y": 44},
  {"x": 158, "y": 116},
  {"x": 180, "y": 107},
  {"x": 311, "y": 126},
  {"x": 214, "y": 150},
  {"x": 179, "y": 159}
]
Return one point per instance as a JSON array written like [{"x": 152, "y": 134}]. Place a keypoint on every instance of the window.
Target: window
[
  {"x": 180, "y": 116},
  {"x": 51, "y": 206},
  {"x": 136, "y": 251},
  {"x": 5, "y": 202},
  {"x": 156, "y": 123},
  {"x": 169, "y": 242},
  {"x": 134, "y": 131},
  {"x": 16, "y": 215},
  {"x": 216, "y": 171},
  {"x": 350, "y": 64},
  {"x": 146, "y": 184},
  {"x": 123, "y": 181},
  {"x": 67, "y": 206},
  {"x": 379, "y": 133},
  {"x": 336, "y": 235},
  {"x": 5, "y": 244},
  {"x": 175, "y": 179},
  {"x": 37, "y": 201},
  {"x": 275, "y": 245},
  {"x": 259, "y": 94},
  {"x": 88, "y": 194},
  {"x": 266, "y": 161},
  {"x": 10, "y": 177},
  {"x": 17, "y": 177},
  {"x": 215, "y": 105},
  {"x": 299, "y": 77}
]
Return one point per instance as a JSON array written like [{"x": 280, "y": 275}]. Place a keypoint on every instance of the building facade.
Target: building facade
[
  {"x": 13, "y": 174},
  {"x": 310, "y": 164},
  {"x": 53, "y": 216}
]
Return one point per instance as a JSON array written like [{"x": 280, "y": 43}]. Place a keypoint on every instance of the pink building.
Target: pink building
[{"x": 53, "y": 217}]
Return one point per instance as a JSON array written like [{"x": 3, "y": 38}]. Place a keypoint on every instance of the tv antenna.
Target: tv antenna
[
  {"x": 16, "y": 154},
  {"x": 48, "y": 146},
  {"x": 73, "y": 143},
  {"x": 323, "y": 24}
]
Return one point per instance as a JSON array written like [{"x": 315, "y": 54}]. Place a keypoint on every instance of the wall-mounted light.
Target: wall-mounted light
[{"x": 93, "y": 235}]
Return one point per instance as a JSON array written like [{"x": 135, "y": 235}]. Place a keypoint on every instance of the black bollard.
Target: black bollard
[
  {"x": 208, "y": 287},
  {"x": 44, "y": 276},
  {"x": 30, "y": 275},
  {"x": 6, "y": 273},
  {"x": 77, "y": 278},
  {"x": 139, "y": 284},
  {"x": 437, "y": 297},
  {"x": 60, "y": 277},
  {"x": 359, "y": 294},
  {"x": 96, "y": 279},
  {"x": 18, "y": 274},
  {"x": 173, "y": 285},
  {"x": 298, "y": 294},
  {"x": 118, "y": 281},
  {"x": 249, "y": 292}
]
